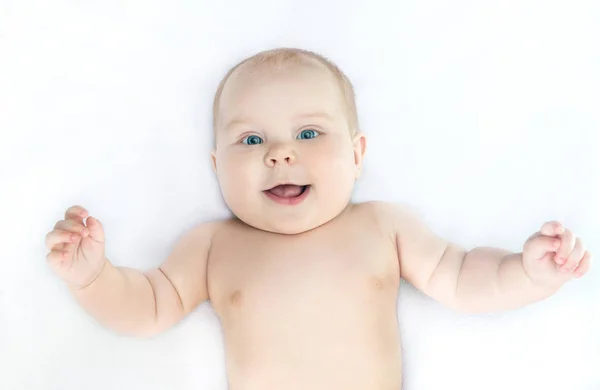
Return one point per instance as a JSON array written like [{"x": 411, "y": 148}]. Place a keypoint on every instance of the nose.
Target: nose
[{"x": 280, "y": 154}]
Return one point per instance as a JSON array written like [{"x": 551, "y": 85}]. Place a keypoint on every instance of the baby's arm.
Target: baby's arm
[
  {"x": 480, "y": 280},
  {"x": 144, "y": 304}
]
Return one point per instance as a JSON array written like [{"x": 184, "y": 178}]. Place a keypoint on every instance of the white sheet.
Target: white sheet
[{"x": 482, "y": 115}]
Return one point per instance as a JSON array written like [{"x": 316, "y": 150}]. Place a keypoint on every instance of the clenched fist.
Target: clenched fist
[
  {"x": 555, "y": 255},
  {"x": 76, "y": 248}
]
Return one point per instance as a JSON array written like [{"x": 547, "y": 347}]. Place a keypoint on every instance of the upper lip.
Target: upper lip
[{"x": 282, "y": 183}]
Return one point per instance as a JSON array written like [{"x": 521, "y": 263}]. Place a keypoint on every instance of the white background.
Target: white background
[{"x": 484, "y": 116}]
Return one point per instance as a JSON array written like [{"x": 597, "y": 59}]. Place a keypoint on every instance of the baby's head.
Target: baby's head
[{"x": 287, "y": 145}]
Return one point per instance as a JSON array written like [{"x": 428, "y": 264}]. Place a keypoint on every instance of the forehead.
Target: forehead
[{"x": 252, "y": 94}]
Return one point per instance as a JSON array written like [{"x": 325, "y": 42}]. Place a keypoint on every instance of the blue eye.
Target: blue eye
[
  {"x": 252, "y": 140},
  {"x": 308, "y": 134}
]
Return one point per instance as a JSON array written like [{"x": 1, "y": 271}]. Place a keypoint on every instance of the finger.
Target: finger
[
  {"x": 574, "y": 257},
  {"x": 59, "y": 236},
  {"x": 58, "y": 247},
  {"x": 96, "y": 229},
  {"x": 539, "y": 246},
  {"x": 58, "y": 259},
  {"x": 72, "y": 226},
  {"x": 567, "y": 243},
  {"x": 76, "y": 213},
  {"x": 534, "y": 235},
  {"x": 584, "y": 265},
  {"x": 552, "y": 228}
]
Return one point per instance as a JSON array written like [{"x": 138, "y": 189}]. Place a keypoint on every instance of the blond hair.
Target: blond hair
[{"x": 282, "y": 58}]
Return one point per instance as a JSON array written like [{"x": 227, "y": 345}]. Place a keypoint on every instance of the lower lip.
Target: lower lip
[{"x": 288, "y": 201}]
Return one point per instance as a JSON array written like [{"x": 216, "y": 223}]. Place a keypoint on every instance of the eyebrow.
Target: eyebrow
[
  {"x": 237, "y": 120},
  {"x": 318, "y": 114}
]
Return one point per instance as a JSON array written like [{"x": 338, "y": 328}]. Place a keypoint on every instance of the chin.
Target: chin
[
  {"x": 294, "y": 228},
  {"x": 289, "y": 227},
  {"x": 291, "y": 224}
]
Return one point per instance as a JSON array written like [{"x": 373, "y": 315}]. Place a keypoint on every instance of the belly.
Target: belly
[{"x": 322, "y": 338}]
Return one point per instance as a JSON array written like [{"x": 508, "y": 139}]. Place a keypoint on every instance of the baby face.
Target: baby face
[{"x": 285, "y": 159}]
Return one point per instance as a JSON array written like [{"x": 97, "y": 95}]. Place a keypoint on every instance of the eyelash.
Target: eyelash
[
  {"x": 317, "y": 134},
  {"x": 251, "y": 135}
]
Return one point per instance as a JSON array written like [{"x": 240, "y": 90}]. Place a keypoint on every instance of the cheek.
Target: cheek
[
  {"x": 335, "y": 156},
  {"x": 236, "y": 171}
]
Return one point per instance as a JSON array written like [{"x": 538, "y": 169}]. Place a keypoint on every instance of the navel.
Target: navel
[
  {"x": 236, "y": 298},
  {"x": 377, "y": 283}
]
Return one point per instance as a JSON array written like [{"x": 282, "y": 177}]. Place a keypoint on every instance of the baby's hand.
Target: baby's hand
[
  {"x": 76, "y": 250},
  {"x": 554, "y": 256}
]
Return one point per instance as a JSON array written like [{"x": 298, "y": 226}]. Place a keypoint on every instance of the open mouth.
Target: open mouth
[{"x": 288, "y": 194}]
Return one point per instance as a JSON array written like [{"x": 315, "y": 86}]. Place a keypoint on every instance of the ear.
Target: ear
[
  {"x": 213, "y": 159},
  {"x": 359, "y": 141}
]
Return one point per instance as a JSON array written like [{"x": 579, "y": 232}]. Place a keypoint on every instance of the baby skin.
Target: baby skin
[{"x": 304, "y": 281}]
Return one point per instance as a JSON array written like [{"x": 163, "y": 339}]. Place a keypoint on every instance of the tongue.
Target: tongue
[{"x": 286, "y": 191}]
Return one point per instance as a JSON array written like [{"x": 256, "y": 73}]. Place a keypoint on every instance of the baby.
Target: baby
[{"x": 304, "y": 281}]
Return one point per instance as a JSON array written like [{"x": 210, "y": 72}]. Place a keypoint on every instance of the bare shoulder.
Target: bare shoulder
[
  {"x": 420, "y": 250},
  {"x": 186, "y": 265},
  {"x": 195, "y": 240},
  {"x": 394, "y": 216},
  {"x": 203, "y": 232}
]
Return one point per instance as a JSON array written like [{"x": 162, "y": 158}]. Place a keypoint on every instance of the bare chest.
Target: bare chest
[
  {"x": 310, "y": 311},
  {"x": 266, "y": 272}
]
